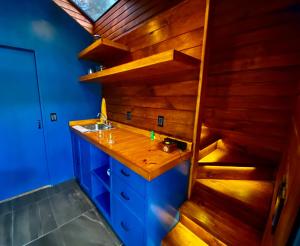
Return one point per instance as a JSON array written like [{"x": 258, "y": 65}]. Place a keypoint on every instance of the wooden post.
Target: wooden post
[{"x": 200, "y": 99}]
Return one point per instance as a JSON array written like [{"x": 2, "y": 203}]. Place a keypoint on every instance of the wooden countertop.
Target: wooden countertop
[{"x": 134, "y": 150}]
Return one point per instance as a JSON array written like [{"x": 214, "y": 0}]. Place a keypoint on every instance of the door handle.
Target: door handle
[
  {"x": 123, "y": 225},
  {"x": 125, "y": 173},
  {"x": 124, "y": 196},
  {"x": 39, "y": 124}
]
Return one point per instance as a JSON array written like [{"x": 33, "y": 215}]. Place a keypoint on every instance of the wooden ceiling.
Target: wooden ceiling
[{"x": 122, "y": 18}]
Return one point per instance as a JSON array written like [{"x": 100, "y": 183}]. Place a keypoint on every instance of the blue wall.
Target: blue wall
[{"x": 56, "y": 39}]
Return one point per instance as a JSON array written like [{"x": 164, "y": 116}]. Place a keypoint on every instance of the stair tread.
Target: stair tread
[
  {"x": 232, "y": 157},
  {"x": 181, "y": 235},
  {"x": 200, "y": 232},
  {"x": 235, "y": 172},
  {"x": 222, "y": 225},
  {"x": 254, "y": 194}
]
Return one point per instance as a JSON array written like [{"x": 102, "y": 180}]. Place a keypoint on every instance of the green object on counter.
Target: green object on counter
[{"x": 152, "y": 135}]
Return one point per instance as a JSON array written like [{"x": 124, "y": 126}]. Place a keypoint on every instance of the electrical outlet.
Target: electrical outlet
[
  {"x": 128, "y": 115},
  {"x": 53, "y": 117},
  {"x": 160, "y": 121}
]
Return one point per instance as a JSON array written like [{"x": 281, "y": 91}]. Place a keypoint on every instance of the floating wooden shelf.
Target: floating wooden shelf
[
  {"x": 168, "y": 65},
  {"x": 104, "y": 50}
]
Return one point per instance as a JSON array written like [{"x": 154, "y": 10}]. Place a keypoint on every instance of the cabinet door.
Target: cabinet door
[
  {"x": 76, "y": 156},
  {"x": 85, "y": 165},
  {"x": 128, "y": 227}
]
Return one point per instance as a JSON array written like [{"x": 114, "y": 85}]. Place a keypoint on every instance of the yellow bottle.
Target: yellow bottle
[{"x": 103, "y": 114}]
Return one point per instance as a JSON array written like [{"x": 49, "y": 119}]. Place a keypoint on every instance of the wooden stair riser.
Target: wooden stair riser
[
  {"x": 235, "y": 173},
  {"x": 228, "y": 156},
  {"x": 204, "y": 151},
  {"x": 213, "y": 199},
  {"x": 200, "y": 232},
  {"x": 237, "y": 163},
  {"x": 181, "y": 235},
  {"x": 207, "y": 139}
]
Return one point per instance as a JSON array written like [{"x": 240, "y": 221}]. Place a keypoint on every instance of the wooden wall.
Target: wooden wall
[
  {"x": 126, "y": 15},
  {"x": 253, "y": 70},
  {"x": 75, "y": 14},
  {"x": 180, "y": 27},
  {"x": 290, "y": 169}
]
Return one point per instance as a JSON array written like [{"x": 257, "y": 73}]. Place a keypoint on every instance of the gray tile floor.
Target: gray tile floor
[{"x": 60, "y": 215}]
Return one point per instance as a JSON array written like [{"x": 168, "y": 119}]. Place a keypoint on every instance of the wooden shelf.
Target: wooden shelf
[
  {"x": 104, "y": 50},
  {"x": 168, "y": 65}
]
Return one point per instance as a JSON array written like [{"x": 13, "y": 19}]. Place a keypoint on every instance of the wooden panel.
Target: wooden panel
[
  {"x": 149, "y": 161},
  {"x": 222, "y": 225},
  {"x": 180, "y": 28},
  {"x": 104, "y": 51},
  {"x": 75, "y": 14},
  {"x": 253, "y": 73},
  {"x": 159, "y": 67},
  {"x": 290, "y": 171},
  {"x": 127, "y": 15},
  {"x": 181, "y": 235}
]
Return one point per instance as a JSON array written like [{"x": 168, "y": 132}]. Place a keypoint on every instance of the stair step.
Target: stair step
[
  {"x": 207, "y": 138},
  {"x": 248, "y": 200},
  {"x": 181, "y": 235},
  {"x": 200, "y": 232},
  {"x": 235, "y": 172},
  {"x": 222, "y": 225},
  {"x": 208, "y": 149},
  {"x": 232, "y": 158}
]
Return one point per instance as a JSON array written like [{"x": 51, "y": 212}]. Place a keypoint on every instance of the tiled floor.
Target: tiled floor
[{"x": 60, "y": 215}]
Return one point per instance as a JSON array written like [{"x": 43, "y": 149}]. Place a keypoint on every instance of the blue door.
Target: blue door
[{"x": 22, "y": 152}]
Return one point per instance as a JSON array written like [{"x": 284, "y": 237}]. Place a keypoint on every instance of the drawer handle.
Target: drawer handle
[
  {"x": 125, "y": 228},
  {"x": 125, "y": 173},
  {"x": 124, "y": 196}
]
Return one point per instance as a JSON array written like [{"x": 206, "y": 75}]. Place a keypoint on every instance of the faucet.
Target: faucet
[{"x": 102, "y": 116}]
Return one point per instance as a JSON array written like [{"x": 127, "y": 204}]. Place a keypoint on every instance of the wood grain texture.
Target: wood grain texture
[
  {"x": 180, "y": 235},
  {"x": 156, "y": 68},
  {"x": 146, "y": 133},
  {"x": 200, "y": 232},
  {"x": 104, "y": 51},
  {"x": 202, "y": 85},
  {"x": 250, "y": 199},
  {"x": 127, "y": 15},
  {"x": 253, "y": 73},
  {"x": 222, "y": 225},
  {"x": 136, "y": 151},
  {"x": 75, "y": 14},
  {"x": 235, "y": 173},
  {"x": 290, "y": 170},
  {"x": 180, "y": 28}
]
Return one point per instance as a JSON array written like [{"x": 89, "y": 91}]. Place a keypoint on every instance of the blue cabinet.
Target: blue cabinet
[{"x": 141, "y": 212}]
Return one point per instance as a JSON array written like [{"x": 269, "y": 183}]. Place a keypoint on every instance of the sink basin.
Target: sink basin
[{"x": 97, "y": 127}]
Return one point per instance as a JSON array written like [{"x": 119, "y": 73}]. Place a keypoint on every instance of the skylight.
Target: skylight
[{"x": 94, "y": 9}]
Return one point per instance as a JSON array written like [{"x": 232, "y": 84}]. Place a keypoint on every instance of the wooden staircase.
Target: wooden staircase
[{"x": 230, "y": 198}]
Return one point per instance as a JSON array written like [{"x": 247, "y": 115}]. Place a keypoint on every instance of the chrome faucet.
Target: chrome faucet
[{"x": 103, "y": 117}]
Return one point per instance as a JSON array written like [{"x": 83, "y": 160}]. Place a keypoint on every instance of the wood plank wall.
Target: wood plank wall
[
  {"x": 126, "y": 15},
  {"x": 76, "y": 15},
  {"x": 290, "y": 171},
  {"x": 253, "y": 70},
  {"x": 180, "y": 27}
]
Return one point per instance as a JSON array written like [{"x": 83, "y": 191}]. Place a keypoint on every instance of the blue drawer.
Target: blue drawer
[
  {"x": 136, "y": 182},
  {"x": 127, "y": 226},
  {"x": 130, "y": 198}
]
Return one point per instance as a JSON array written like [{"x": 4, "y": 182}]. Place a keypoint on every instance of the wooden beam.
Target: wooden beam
[{"x": 200, "y": 98}]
